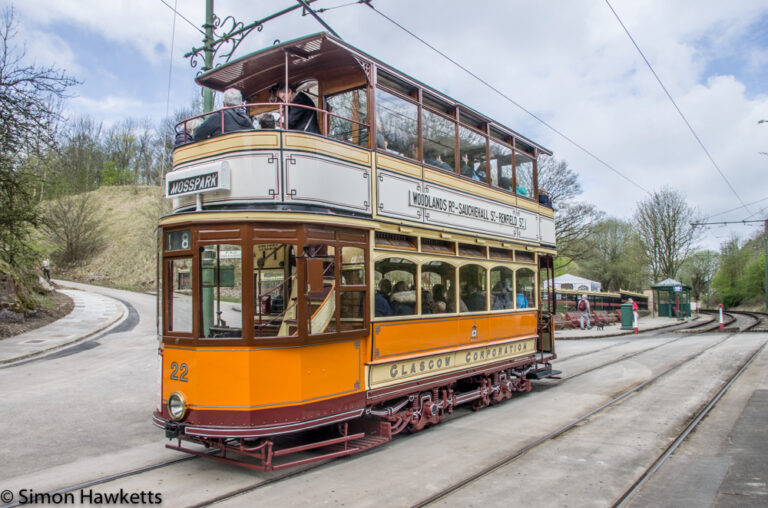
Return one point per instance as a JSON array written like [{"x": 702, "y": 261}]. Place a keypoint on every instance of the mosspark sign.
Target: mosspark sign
[{"x": 204, "y": 178}]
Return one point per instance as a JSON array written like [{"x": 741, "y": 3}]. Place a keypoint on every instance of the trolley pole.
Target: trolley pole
[{"x": 765, "y": 252}]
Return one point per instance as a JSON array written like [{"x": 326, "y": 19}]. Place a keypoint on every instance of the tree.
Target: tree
[
  {"x": 665, "y": 225},
  {"x": 699, "y": 270},
  {"x": 616, "y": 257},
  {"x": 74, "y": 225},
  {"x": 29, "y": 112},
  {"x": 573, "y": 219}
]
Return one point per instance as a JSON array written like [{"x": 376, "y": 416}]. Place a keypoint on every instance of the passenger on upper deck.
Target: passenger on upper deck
[
  {"x": 434, "y": 158},
  {"x": 266, "y": 121},
  {"x": 235, "y": 118},
  {"x": 186, "y": 135},
  {"x": 299, "y": 119}
]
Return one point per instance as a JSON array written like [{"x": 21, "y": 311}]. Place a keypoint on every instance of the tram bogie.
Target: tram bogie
[{"x": 322, "y": 292}]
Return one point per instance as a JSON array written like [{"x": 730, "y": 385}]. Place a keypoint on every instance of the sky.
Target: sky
[{"x": 569, "y": 63}]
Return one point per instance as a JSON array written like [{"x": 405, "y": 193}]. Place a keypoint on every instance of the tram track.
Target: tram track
[
  {"x": 695, "y": 421},
  {"x": 511, "y": 457}
]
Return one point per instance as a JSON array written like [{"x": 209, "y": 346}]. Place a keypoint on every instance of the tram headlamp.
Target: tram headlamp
[{"x": 177, "y": 406}]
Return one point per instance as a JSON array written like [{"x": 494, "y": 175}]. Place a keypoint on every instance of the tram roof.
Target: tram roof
[{"x": 326, "y": 58}]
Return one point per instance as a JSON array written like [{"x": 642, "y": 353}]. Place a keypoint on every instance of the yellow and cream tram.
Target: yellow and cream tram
[{"x": 323, "y": 291}]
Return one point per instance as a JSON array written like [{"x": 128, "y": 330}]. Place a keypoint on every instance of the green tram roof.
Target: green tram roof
[{"x": 255, "y": 73}]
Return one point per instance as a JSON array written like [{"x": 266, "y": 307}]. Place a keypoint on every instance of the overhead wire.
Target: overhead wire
[
  {"x": 669, "y": 96},
  {"x": 507, "y": 98},
  {"x": 182, "y": 16}
]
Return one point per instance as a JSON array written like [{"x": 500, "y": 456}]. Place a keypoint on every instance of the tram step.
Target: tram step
[{"x": 543, "y": 372}]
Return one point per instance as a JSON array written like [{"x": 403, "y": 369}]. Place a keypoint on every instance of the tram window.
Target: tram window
[
  {"x": 438, "y": 140},
  {"x": 396, "y": 283},
  {"x": 501, "y": 288},
  {"x": 524, "y": 174},
  {"x": 395, "y": 240},
  {"x": 397, "y": 124},
  {"x": 222, "y": 291},
  {"x": 275, "y": 291},
  {"x": 501, "y": 166},
  {"x": 180, "y": 295},
  {"x": 352, "y": 266},
  {"x": 351, "y": 310},
  {"x": 474, "y": 288},
  {"x": 438, "y": 246},
  {"x": 438, "y": 286},
  {"x": 474, "y": 251},
  {"x": 529, "y": 257},
  {"x": 351, "y": 108},
  {"x": 321, "y": 305},
  {"x": 525, "y": 286},
  {"x": 472, "y": 154},
  {"x": 498, "y": 253}
]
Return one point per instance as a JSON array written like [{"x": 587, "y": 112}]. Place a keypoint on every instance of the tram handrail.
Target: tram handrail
[{"x": 281, "y": 122}]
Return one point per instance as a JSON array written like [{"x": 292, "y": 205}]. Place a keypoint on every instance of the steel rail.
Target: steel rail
[
  {"x": 562, "y": 430},
  {"x": 684, "y": 434}
]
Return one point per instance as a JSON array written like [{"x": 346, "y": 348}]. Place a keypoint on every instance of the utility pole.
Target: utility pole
[{"x": 208, "y": 54}]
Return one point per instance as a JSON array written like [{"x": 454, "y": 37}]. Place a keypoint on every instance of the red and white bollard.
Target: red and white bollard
[
  {"x": 634, "y": 323},
  {"x": 722, "y": 323}
]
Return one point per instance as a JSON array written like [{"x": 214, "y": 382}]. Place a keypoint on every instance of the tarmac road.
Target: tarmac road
[{"x": 84, "y": 412}]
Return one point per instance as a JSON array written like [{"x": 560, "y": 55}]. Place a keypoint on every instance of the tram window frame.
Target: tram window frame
[
  {"x": 414, "y": 281},
  {"x": 532, "y": 303},
  {"x": 362, "y": 138},
  {"x": 500, "y": 253},
  {"x": 522, "y": 256},
  {"x": 450, "y": 163},
  {"x": 519, "y": 161},
  {"x": 395, "y": 241},
  {"x": 496, "y": 168},
  {"x": 433, "y": 246},
  {"x": 217, "y": 292},
  {"x": 473, "y": 251},
  {"x": 168, "y": 308},
  {"x": 410, "y": 147},
  {"x": 439, "y": 307},
  {"x": 464, "y": 131},
  {"x": 261, "y": 305},
  {"x": 465, "y": 284}
]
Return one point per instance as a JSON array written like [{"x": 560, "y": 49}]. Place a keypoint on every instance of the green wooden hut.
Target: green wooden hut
[{"x": 668, "y": 295}]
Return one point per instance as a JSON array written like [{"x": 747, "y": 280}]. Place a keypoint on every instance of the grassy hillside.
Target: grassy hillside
[{"x": 127, "y": 259}]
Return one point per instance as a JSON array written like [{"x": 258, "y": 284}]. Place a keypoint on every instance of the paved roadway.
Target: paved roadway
[{"x": 84, "y": 412}]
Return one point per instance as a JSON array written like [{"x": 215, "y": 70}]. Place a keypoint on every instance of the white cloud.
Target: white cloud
[{"x": 568, "y": 62}]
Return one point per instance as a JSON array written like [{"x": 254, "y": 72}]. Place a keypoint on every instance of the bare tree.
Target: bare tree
[
  {"x": 665, "y": 225},
  {"x": 616, "y": 258},
  {"x": 573, "y": 219},
  {"x": 29, "y": 111},
  {"x": 74, "y": 224}
]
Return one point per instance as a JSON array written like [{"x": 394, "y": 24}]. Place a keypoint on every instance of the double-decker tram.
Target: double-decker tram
[{"x": 328, "y": 283}]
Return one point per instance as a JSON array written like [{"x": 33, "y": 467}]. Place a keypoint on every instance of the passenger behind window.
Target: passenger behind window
[
  {"x": 402, "y": 300},
  {"x": 501, "y": 295},
  {"x": 475, "y": 298},
  {"x": 439, "y": 298},
  {"x": 431, "y": 156},
  {"x": 522, "y": 301},
  {"x": 235, "y": 118},
  {"x": 299, "y": 119},
  {"x": 381, "y": 299}
]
